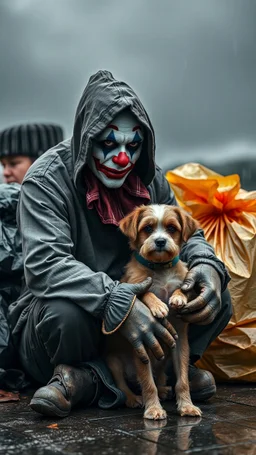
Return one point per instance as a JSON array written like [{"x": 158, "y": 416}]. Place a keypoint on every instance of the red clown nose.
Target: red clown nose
[{"x": 122, "y": 159}]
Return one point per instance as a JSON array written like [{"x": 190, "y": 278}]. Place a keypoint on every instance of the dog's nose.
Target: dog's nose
[{"x": 160, "y": 243}]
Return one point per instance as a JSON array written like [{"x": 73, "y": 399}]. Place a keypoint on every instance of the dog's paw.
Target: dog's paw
[
  {"x": 189, "y": 410},
  {"x": 159, "y": 310},
  {"x": 165, "y": 392},
  {"x": 155, "y": 413},
  {"x": 177, "y": 301},
  {"x": 134, "y": 401}
]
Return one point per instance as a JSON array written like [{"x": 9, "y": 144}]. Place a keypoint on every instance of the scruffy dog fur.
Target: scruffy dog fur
[{"x": 157, "y": 233}]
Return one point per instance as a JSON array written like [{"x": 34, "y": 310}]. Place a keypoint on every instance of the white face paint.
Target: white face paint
[{"x": 116, "y": 150}]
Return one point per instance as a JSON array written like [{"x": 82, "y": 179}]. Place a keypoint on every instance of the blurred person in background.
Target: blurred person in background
[{"x": 21, "y": 145}]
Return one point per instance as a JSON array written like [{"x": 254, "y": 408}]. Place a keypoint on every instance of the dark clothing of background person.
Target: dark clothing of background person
[{"x": 20, "y": 146}]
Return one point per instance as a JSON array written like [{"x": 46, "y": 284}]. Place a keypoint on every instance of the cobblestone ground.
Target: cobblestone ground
[{"x": 227, "y": 427}]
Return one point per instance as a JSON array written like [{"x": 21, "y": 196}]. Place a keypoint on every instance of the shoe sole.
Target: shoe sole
[
  {"x": 47, "y": 408},
  {"x": 204, "y": 394}
]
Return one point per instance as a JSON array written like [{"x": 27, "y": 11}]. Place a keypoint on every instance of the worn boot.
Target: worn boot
[
  {"x": 67, "y": 387},
  {"x": 201, "y": 383}
]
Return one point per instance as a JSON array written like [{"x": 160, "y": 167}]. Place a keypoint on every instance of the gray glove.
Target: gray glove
[
  {"x": 142, "y": 329},
  {"x": 205, "y": 281}
]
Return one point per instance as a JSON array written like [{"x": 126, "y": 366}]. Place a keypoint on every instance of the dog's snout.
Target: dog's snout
[{"x": 160, "y": 243}]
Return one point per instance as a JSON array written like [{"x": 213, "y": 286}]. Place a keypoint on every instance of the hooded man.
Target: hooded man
[{"x": 71, "y": 202}]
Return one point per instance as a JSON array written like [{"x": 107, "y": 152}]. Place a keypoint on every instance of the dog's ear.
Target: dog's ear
[
  {"x": 188, "y": 224},
  {"x": 129, "y": 224}
]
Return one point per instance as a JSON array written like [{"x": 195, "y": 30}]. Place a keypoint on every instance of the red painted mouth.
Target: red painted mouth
[{"x": 112, "y": 173}]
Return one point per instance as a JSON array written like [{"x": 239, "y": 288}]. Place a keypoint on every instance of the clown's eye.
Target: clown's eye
[
  {"x": 109, "y": 143},
  {"x": 148, "y": 229},
  {"x": 133, "y": 146},
  {"x": 171, "y": 228}
]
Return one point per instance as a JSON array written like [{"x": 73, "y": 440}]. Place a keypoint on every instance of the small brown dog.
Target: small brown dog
[{"x": 156, "y": 234}]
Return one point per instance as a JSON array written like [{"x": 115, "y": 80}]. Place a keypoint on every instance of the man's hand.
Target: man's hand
[
  {"x": 205, "y": 281},
  {"x": 142, "y": 329}
]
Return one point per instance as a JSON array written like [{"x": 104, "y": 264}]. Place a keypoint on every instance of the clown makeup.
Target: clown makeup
[{"x": 116, "y": 150}]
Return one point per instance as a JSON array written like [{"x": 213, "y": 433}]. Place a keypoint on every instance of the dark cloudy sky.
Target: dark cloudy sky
[{"x": 193, "y": 64}]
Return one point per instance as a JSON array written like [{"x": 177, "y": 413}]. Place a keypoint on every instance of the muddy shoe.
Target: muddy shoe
[
  {"x": 67, "y": 387},
  {"x": 201, "y": 383}
]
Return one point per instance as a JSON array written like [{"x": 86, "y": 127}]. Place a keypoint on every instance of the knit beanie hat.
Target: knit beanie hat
[{"x": 30, "y": 140}]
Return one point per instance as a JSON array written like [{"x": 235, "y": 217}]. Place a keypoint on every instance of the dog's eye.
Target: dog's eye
[
  {"x": 171, "y": 229},
  {"x": 148, "y": 229}
]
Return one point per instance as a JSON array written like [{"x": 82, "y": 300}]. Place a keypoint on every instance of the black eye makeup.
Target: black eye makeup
[
  {"x": 107, "y": 146},
  {"x": 133, "y": 146}
]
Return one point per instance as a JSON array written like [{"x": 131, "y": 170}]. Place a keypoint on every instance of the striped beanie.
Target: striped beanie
[{"x": 30, "y": 140}]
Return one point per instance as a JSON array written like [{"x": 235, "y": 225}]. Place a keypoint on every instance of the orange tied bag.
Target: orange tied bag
[{"x": 227, "y": 214}]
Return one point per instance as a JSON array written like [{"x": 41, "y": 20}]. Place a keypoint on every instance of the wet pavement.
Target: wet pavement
[{"x": 227, "y": 427}]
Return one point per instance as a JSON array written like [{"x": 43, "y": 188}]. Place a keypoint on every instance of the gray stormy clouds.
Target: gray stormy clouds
[{"x": 193, "y": 64}]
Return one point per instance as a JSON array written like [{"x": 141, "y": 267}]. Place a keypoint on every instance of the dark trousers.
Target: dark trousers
[{"x": 61, "y": 332}]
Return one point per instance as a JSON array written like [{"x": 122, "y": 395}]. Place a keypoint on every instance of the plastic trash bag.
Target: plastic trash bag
[
  {"x": 227, "y": 214},
  {"x": 11, "y": 274}
]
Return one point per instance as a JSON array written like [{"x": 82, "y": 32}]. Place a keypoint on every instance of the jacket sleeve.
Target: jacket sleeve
[
  {"x": 51, "y": 270},
  {"x": 196, "y": 250}
]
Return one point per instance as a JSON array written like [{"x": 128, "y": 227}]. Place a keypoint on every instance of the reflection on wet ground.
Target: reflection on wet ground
[{"x": 227, "y": 427}]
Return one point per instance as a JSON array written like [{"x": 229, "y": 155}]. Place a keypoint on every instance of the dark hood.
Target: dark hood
[{"x": 103, "y": 98}]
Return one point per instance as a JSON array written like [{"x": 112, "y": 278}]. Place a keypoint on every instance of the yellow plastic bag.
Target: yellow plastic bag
[{"x": 228, "y": 216}]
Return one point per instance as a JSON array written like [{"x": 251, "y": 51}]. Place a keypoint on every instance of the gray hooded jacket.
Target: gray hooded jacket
[{"x": 68, "y": 253}]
